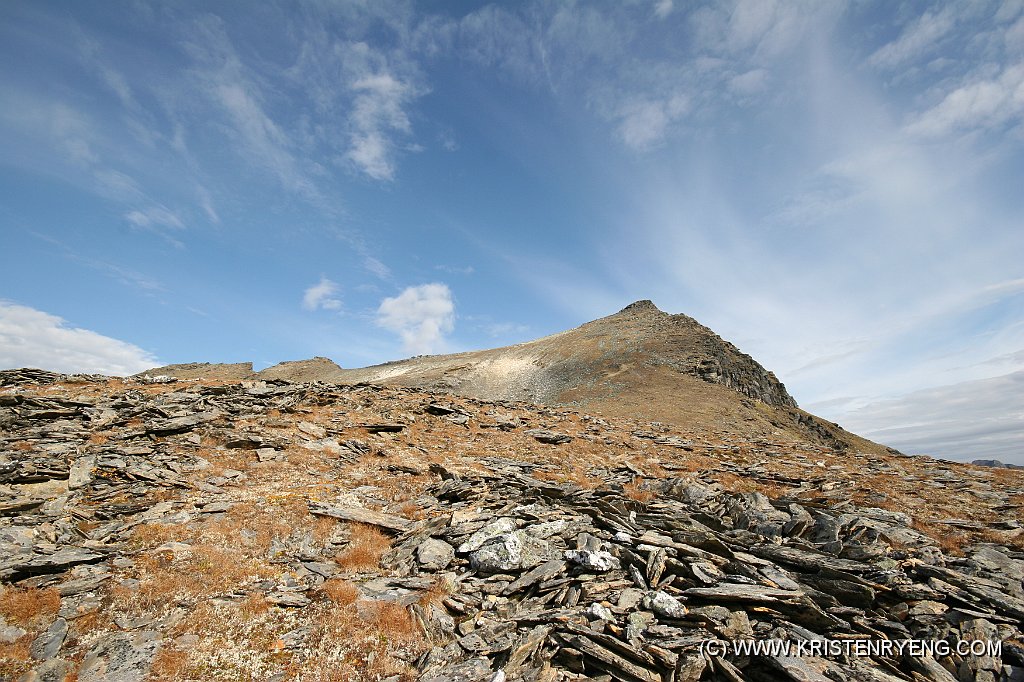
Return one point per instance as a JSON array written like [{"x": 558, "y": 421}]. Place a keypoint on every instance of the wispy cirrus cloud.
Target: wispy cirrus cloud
[
  {"x": 918, "y": 37},
  {"x": 981, "y": 103},
  {"x": 155, "y": 217},
  {"x": 378, "y": 114}
]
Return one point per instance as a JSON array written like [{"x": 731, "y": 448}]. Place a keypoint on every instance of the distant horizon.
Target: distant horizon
[{"x": 833, "y": 187}]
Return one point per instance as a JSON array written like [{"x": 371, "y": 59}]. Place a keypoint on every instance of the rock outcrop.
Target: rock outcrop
[
  {"x": 315, "y": 369},
  {"x": 202, "y": 370}
]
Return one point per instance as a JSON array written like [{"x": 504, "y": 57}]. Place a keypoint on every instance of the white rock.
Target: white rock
[
  {"x": 600, "y": 612},
  {"x": 665, "y": 605},
  {"x": 600, "y": 561}
]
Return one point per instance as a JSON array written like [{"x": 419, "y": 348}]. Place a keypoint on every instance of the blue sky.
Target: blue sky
[{"x": 835, "y": 187}]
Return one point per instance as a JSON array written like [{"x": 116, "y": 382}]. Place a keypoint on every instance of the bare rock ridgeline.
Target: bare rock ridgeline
[
  {"x": 637, "y": 363},
  {"x": 542, "y": 370}
]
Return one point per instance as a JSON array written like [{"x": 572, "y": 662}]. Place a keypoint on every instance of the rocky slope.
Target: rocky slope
[
  {"x": 206, "y": 529},
  {"x": 639, "y": 362},
  {"x": 593, "y": 360}
]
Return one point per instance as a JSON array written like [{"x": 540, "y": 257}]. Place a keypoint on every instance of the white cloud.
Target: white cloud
[
  {"x": 32, "y": 338},
  {"x": 322, "y": 296},
  {"x": 663, "y": 8},
  {"x": 421, "y": 315},
  {"x": 770, "y": 27},
  {"x": 233, "y": 87},
  {"x": 915, "y": 39},
  {"x": 982, "y": 103},
  {"x": 74, "y": 132},
  {"x": 117, "y": 185}
]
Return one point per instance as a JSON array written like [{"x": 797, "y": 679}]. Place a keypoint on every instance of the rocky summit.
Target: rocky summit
[{"x": 433, "y": 524}]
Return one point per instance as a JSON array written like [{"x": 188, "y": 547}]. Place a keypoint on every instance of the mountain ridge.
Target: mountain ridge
[{"x": 638, "y": 362}]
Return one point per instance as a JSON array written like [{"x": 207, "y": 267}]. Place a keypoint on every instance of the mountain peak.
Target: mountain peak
[{"x": 643, "y": 306}]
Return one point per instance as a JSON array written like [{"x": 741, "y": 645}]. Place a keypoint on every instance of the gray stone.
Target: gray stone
[
  {"x": 473, "y": 670},
  {"x": 550, "y": 437},
  {"x": 81, "y": 472},
  {"x": 120, "y": 657},
  {"x": 52, "y": 670},
  {"x": 10, "y": 633},
  {"x": 288, "y": 598},
  {"x": 434, "y": 554},
  {"x": 500, "y": 553},
  {"x": 49, "y": 643},
  {"x": 311, "y": 429}
]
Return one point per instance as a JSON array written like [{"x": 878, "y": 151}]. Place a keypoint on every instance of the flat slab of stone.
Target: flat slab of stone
[{"x": 361, "y": 515}]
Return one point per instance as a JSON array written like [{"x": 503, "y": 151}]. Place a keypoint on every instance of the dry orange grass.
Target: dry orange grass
[
  {"x": 634, "y": 490},
  {"x": 247, "y": 527},
  {"x": 436, "y": 593},
  {"x": 393, "y": 621},
  {"x": 950, "y": 540},
  {"x": 744, "y": 484},
  {"x": 150, "y": 535},
  {"x": 344, "y": 647},
  {"x": 22, "y": 446},
  {"x": 367, "y": 546},
  {"x": 223, "y": 459},
  {"x": 304, "y": 458},
  {"x": 204, "y": 570},
  {"x": 411, "y": 510},
  {"x": 170, "y": 663},
  {"x": 341, "y": 592},
  {"x": 233, "y": 641},
  {"x": 32, "y": 609},
  {"x": 15, "y": 659},
  {"x": 29, "y": 608},
  {"x": 569, "y": 474}
]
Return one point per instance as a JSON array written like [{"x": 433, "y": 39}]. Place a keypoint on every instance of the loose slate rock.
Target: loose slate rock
[
  {"x": 120, "y": 657},
  {"x": 48, "y": 644},
  {"x": 361, "y": 515},
  {"x": 551, "y": 437}
]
